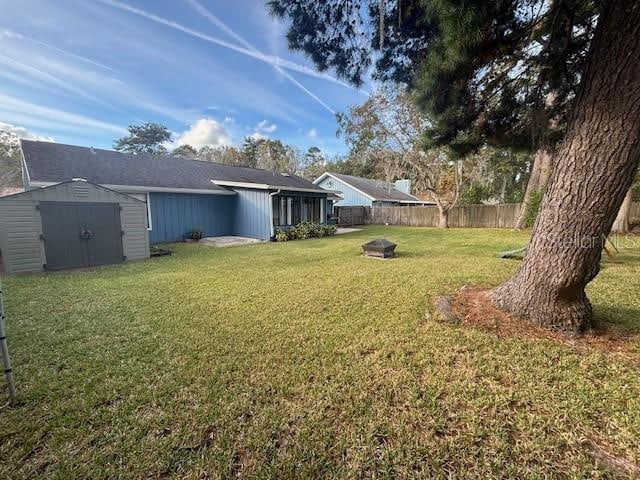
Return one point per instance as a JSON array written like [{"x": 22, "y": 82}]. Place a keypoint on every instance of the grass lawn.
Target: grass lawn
[{"x": 306, "y": 360}]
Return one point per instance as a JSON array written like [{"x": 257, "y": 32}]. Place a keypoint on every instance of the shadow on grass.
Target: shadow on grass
[{"x": 618, "y": 316}]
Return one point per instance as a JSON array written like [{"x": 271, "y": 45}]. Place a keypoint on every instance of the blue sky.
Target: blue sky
[{"x": 212, "y": 71}]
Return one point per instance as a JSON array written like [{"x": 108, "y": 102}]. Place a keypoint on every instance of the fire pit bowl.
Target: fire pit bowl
[{"x": 379, "y": 248}]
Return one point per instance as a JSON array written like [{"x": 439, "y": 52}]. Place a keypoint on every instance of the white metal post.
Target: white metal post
[{"x": 5, "y": 352}]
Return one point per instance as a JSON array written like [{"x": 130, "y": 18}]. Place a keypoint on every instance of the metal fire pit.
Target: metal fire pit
[{"x": 380, "y": 248}]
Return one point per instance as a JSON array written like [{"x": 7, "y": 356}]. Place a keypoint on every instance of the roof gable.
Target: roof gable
[
  {"x": 73, "y": 189},
  {"x": 376, "y": 190}
]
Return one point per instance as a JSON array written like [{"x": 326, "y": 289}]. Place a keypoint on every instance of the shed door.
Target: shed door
[{"x": 81, "y": 234}]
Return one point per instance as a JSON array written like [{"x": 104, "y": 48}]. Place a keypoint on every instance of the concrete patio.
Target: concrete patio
[{"x": 228, "y": 241}]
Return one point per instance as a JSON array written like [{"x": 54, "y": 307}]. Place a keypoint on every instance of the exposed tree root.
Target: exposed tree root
[{"x": 622, "y": 467}]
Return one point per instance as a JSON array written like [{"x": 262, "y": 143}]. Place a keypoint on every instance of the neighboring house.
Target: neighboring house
[
  {"x": 182, "y": 195},
  {"x": 357, "y": 191}
]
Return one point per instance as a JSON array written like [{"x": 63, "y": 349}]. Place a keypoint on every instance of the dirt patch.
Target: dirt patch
[{"x": 473, "y": 307}]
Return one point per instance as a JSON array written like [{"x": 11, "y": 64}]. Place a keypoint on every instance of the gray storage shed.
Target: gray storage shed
[{"x": 69, "y": 225}]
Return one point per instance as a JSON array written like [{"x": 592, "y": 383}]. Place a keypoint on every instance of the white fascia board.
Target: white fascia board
[
  {"x": 26, "y": 179},
  {"x": 147, "y": 189},
  {"x": 320, "y": 178},
  {"x": 224, "y": 183},
  {"x": 264, "y": 186},
  {"x": 298, "y": 189},
  {"x": 334, "y": 196}
]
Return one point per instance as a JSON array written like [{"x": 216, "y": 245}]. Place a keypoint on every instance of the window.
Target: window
[{"x": 291, "y": 210}]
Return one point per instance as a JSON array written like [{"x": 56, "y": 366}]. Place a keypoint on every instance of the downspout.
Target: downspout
[{"x": 271, "y": 195}]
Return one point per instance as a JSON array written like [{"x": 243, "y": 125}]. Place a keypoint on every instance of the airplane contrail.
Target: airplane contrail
[
  {"x": 270, "y": 59},
  {"x": 220, "y": 24},
  {"x": 13, "y": 34}
]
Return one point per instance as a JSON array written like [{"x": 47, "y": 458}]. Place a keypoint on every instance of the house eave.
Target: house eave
[
  {"x": 264, "y": 186},
  {"x": 147, "y": 189}
]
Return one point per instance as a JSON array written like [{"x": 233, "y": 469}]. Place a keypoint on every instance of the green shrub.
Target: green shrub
[
  {"x": 281, "y": 236},
  {"x": 329, "y": 230},
  {"x": 305, "y": 230},
  {"x": 532, "y": 209},
  {"x": 474, "y": 195}
]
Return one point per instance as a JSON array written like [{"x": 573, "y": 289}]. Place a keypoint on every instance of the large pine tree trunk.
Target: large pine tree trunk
[
  {"x": 621, "y": 224},
  {"x": 594, "y": 168}
]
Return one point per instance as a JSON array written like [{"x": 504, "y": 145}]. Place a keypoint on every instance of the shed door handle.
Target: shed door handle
[{"x": 86, "y": 234}]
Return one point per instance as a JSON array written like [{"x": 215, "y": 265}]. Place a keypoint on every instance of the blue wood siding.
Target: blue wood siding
[
  {"x": 351, "y": 197},
  {"x": 247, "y": 214},
  {"x": 252, "y": 215},
  {"x": 173, "y": 215}
]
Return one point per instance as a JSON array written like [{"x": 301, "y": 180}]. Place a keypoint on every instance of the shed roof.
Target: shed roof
[
  {"x": 376, "y": 190},
  {"x": 48, "y": 162},
  {"x": 79, "y": 187}
]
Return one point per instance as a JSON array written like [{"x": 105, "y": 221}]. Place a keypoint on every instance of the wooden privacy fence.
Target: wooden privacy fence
[
  {"x": 488, "y": 216},
  {"x": 467, "y": 216},
  {"x": 348, "y": 216}
]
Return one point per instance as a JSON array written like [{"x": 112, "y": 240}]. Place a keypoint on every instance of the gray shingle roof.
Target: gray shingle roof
[
  {"x": 56, "y": 162},
  {"x": 376, "y": 189}
]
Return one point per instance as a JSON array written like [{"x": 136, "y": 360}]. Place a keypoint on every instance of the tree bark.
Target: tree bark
[
  {"x": 443, "y": 219},
  {"x": 594, "y": 168},
  {"x": 621, "y": 224},
  {"x": 538, "y": 179}
]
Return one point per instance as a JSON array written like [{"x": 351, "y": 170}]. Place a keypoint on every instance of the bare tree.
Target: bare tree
[
  {"x": 10, "y": 169},
  {"x": 227, "y": 155},
  {"x": 389, "y": 128}
]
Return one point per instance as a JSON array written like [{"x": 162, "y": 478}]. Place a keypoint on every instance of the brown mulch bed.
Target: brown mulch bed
[{"x": 473, "y": 307}]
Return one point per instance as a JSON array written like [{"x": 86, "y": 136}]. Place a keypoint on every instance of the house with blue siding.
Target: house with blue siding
[
  {"x": 366, "y": 192},
  {"x": 182, "y": 195}
]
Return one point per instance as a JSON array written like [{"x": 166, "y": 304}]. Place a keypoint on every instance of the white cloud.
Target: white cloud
[
  {"x": 313, "y": 133},
  {"x": 205, "y": 131},
  {"x": 262, "y": 130},
  {"x": 22, "y": 132},
  {"x": 257, "y": 136},
  {"x": 265, "y": 127},
  {"x": 45, "y": 77}
]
